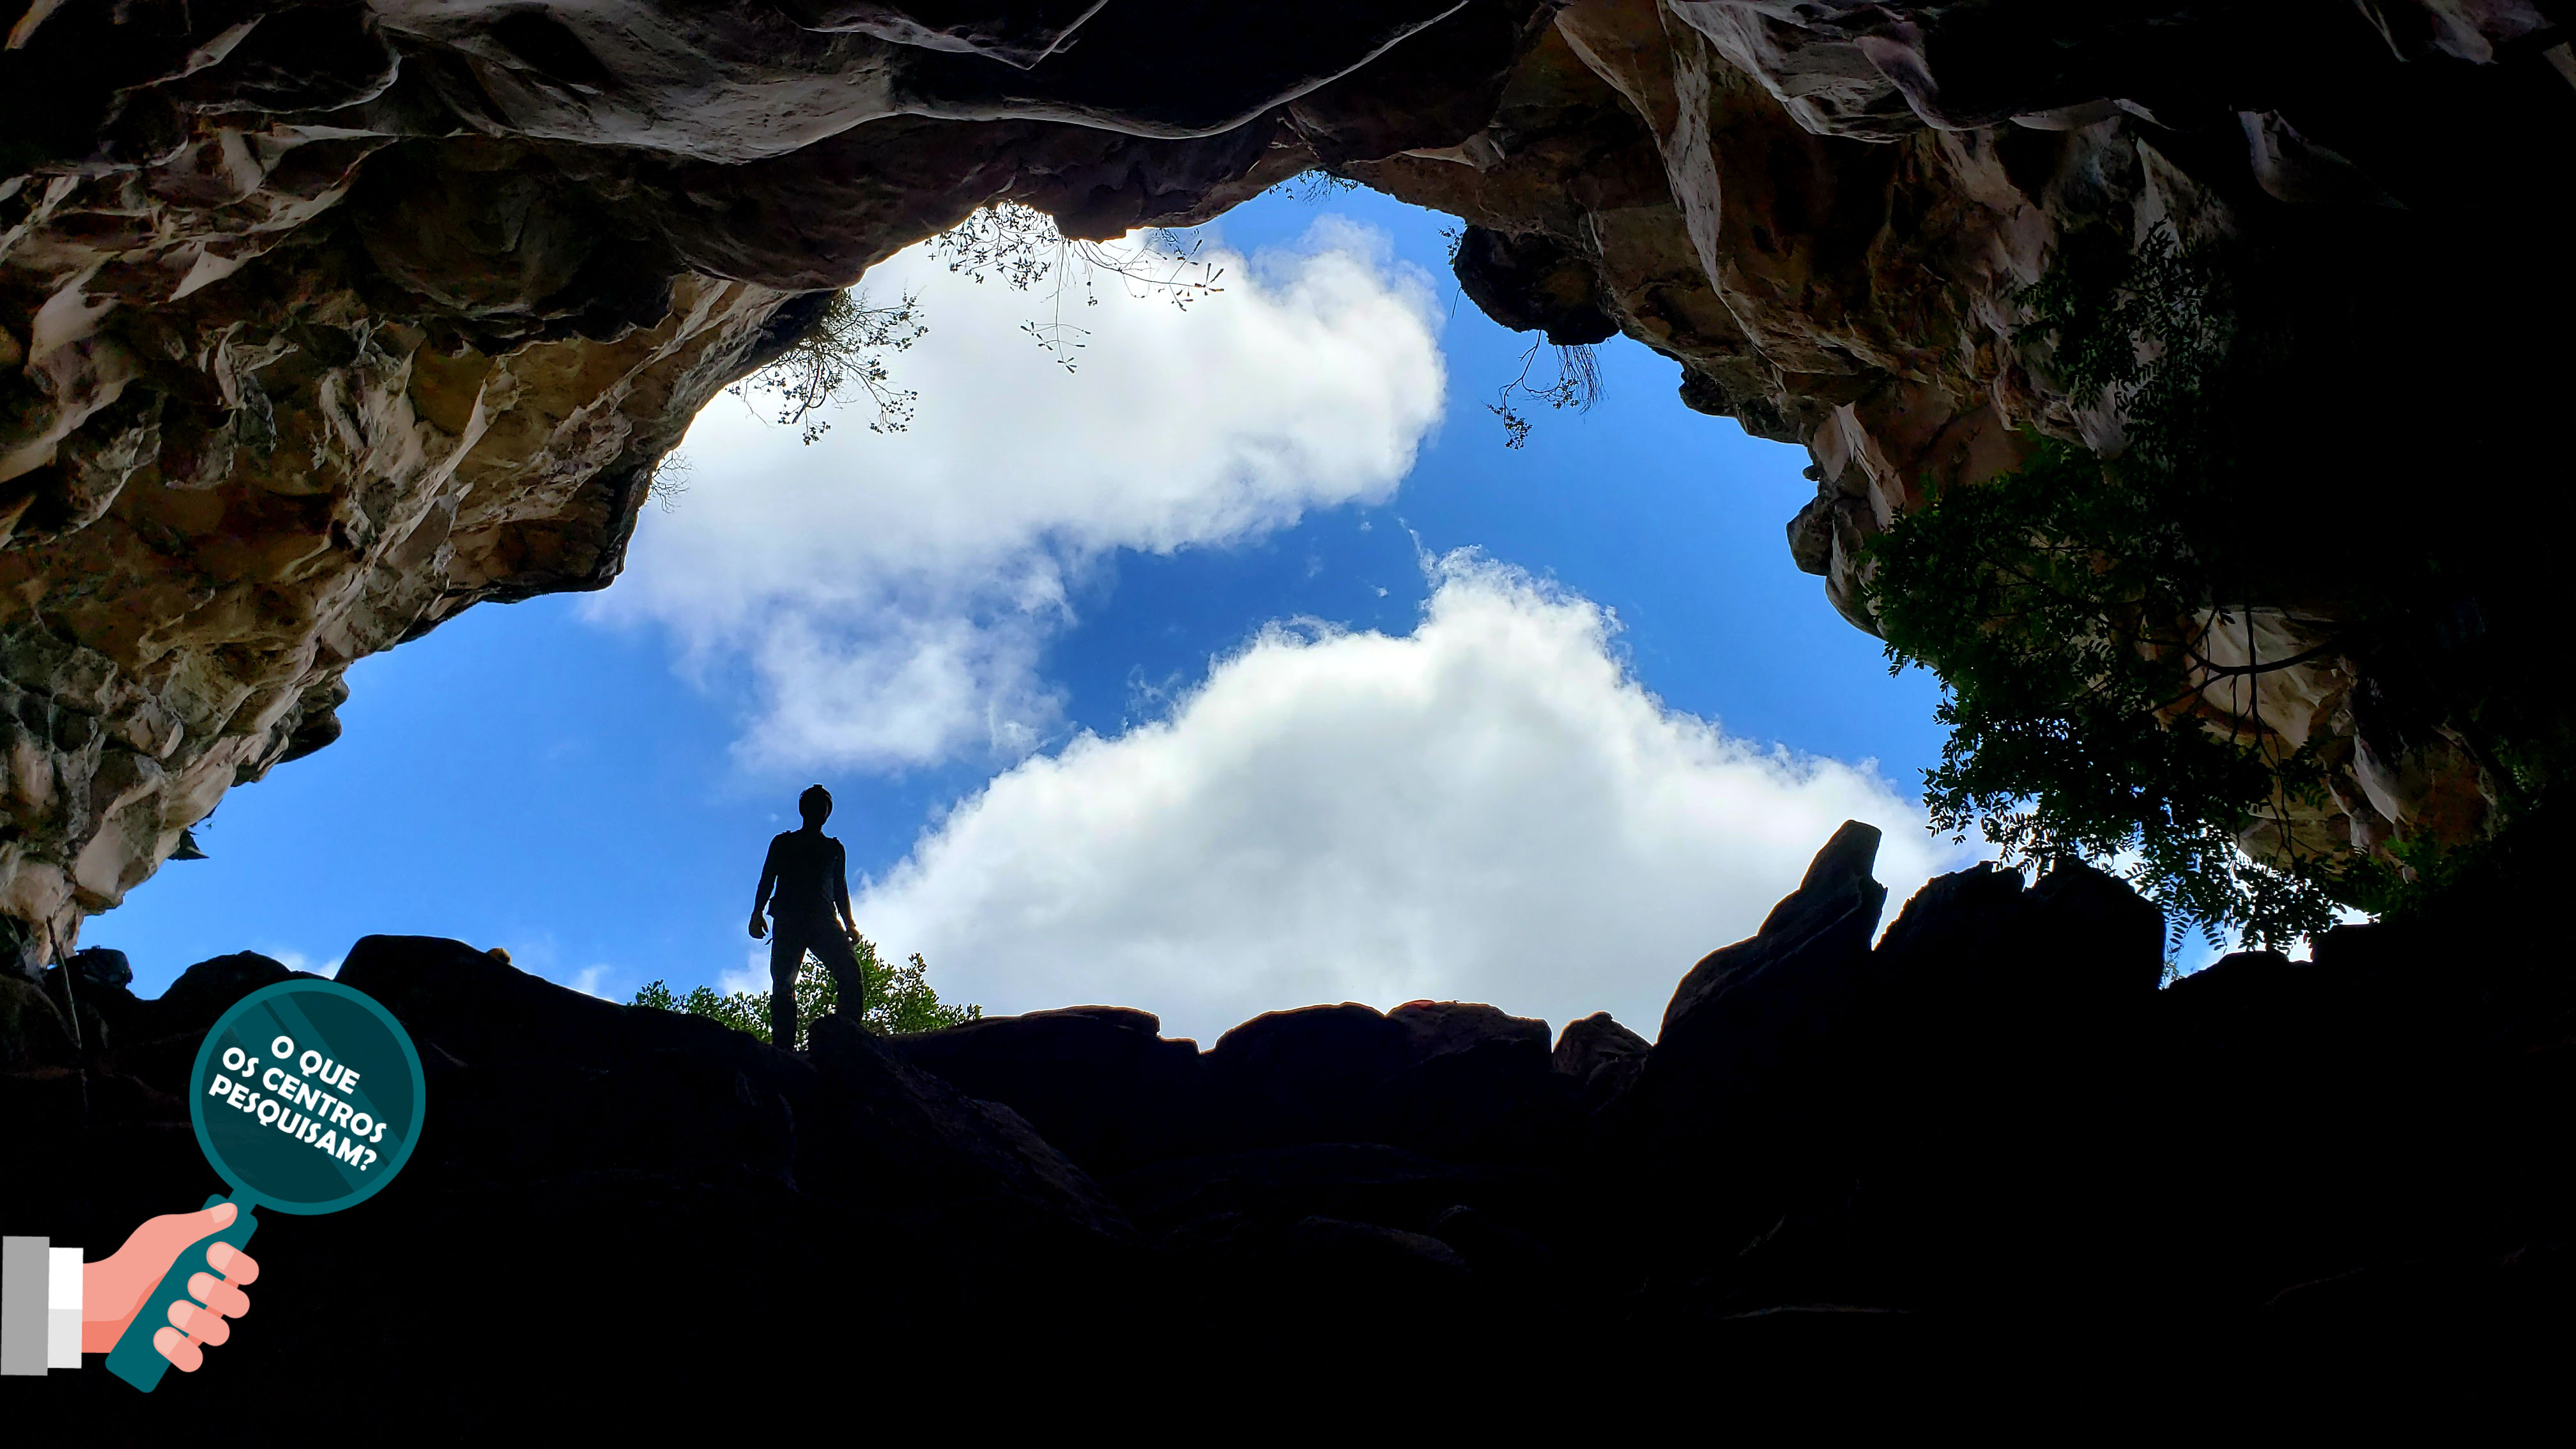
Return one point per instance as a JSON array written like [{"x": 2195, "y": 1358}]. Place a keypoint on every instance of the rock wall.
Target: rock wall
[
  {"x": 1832, "y": 208},
  {"x": 320, "y": 322}
]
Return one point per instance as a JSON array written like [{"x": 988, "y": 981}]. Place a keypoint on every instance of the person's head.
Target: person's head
[{"x": 815, "y": 805}]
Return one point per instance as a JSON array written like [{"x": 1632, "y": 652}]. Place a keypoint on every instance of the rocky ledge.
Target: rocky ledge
[{"x": 1986, "y": 1152}]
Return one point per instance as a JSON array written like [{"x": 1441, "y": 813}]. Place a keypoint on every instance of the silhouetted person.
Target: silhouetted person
[{"x": 805, "y": 886}]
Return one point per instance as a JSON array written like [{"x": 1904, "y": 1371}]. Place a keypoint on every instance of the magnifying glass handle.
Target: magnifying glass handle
[{"x": 134, "y": 1359}]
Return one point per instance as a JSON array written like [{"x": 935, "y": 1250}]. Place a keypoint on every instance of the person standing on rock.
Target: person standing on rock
[{"x": 804, "y": 885}]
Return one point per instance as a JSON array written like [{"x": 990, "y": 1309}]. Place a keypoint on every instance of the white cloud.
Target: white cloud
[
  {"x": 298, "y": 961},
  {"x": 885, "y": 598},
  {"x": 1487, "y": 809},
  {"x": 754, "y": 975}
]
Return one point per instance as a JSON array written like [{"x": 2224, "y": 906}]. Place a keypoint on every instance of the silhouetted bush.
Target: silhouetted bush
[{"x": 900, "y": 999}]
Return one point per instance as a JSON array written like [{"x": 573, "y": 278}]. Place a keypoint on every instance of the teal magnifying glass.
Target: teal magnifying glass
[{"x": 307, "y": 1098}]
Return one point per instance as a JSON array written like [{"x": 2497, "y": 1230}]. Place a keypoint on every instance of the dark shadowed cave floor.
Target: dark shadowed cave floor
[{"x": 1986, "y": 1162}]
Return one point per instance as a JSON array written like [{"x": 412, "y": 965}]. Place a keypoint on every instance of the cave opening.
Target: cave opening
[{"x": 1304, "y": 643}]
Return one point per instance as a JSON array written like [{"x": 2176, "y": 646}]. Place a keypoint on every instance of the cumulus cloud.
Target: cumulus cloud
[
  {"x": 1489, "y": 808},
  {"x": 884, "y": 598}
]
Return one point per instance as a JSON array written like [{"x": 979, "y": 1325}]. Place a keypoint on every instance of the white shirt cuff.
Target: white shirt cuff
[{"x": 62, "y": 1307}]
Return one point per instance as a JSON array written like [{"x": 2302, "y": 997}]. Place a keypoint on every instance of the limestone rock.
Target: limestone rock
[
  {"x": 1509, "y": 1263},
  {"x": 1601, "y": 1057},
  {"x": 1384, "y": 1258},
  {"x": 676, "y": 1094},
  {"x": 1306, "y": 1075},
  {"x": 1594, "y": 1042},
  {"x": 102, "y": 966},
  {"x": 208, "y": 989},
  {"x": 1434, "y": 1028},
  {"x": 1986, "y": 1139},
  {"x": 1099, "y": 1082},
  {"x": 1749, "y": 1017},
  {"x": 32, "y": 1030},
  {"x": 320, "y": 322}
]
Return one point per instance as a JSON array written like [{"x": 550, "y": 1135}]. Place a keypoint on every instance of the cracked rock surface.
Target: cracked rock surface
[{"x": 320, "y": 322}]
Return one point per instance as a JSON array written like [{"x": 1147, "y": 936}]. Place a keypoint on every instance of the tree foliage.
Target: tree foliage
[
  {"x": 842, "y": 354},
  {"x": 845, "y": 352},
  {"x": 900, "y": 1000},
  {"x": 1023, "y": 248},
  {"x": 2069, "y": 606},
  {"x": 1577, "y": 386}
]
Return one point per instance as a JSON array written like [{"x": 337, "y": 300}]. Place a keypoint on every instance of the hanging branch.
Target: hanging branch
[
  {"x": 842, "y": 354},
  {"x": 1023, "y": 248},
  {"x": 1577, "y": 386}
]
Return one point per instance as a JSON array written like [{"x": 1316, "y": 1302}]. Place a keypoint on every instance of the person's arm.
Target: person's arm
[
  {"x": 841, "y": 887},
  {"x": 768, "y": 882}
]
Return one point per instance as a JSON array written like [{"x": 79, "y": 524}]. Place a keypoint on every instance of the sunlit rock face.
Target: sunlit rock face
[
  {"x": 323, "y": 322},
  {"x": 320, "y": 322}
]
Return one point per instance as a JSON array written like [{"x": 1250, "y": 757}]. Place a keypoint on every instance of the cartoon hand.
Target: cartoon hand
[
  {"x": 759, "y": 932},
  {"x": 113, "y": 1290}
]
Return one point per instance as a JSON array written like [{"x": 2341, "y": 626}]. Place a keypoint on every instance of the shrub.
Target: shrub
[{"x": 900, "y": 999}]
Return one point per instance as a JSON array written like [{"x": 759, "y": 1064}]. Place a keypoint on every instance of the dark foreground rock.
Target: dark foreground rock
[{"x": 1982, "y": 1159}]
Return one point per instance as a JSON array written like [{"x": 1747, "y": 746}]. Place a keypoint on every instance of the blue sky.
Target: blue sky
[{"x": 1251, "y": 670}]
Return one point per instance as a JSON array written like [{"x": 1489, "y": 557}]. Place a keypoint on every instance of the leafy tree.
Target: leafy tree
[
  {"x": 900, "y": 999},
  {"x": 2069, "y": 606}
]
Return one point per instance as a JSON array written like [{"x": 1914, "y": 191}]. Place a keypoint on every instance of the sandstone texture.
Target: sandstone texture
[
  {"x": 322, "y": 321},
  {"x": 1983, "y": 1162}
]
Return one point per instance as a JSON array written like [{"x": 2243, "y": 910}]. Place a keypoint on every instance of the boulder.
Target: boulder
[
  {"x": 546, "y": 1080},
  {"x": 1594, "y": 1042},
  {"x": 1532, "y": 283},
  {"x": 32, "y": 1030},
  {"x": 880, "y": 1130},
  {"x": 1101, "y": 1083},
  {"x": 101, "y": 966},
  {"x": 110, "y": 1015},
  {"x": 208, "y": 989},
  {"x": 1307, "y": 1075},
  {"x": 1495, "y": 1099},
  {"x": 1512, "y": 1265},
  {"x": 1434, "y": 1027},
  {"x": 1960, "y": 924},
  {"x": 2110, "y": 939},
  {"x": 1748, "y": 1018},
  {"x": 1379, "y": 1259},
  {"x": 1457, "y": 1079},
  {"x": 1825, "y": 1100},
  {"x": 1978, "y": 1143},
  {"x": 1601, "y": 1057},
  {"x": 1994, "y": 967},
  {"x": 1362, "y": 1181}
]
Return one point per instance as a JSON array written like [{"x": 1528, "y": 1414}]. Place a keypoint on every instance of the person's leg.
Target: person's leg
[
  {"x": 786, "y": 958},
  {"x": 833, "y": 949}
]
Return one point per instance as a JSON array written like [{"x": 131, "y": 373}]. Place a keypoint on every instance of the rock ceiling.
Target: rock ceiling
[{"x": 320, "y": 322}]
